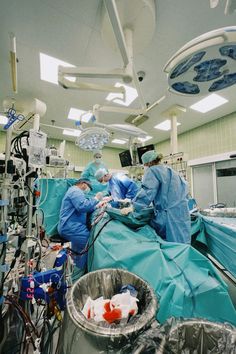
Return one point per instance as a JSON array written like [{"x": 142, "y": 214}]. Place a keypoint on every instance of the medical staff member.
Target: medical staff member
[
  {"x": 119, "y": 185},
  {"x": 167, "y": 191},
  {"x": 73, "y": 218},
  {"x": 92, "y": 167}
]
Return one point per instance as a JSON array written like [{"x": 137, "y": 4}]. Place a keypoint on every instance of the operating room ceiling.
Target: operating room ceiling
[{"x": 70, "y": 30}]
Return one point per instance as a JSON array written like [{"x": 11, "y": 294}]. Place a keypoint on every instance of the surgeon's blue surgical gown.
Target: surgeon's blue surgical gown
[
  {"x": 168, "y": 192},
  {"x": 72, "y": 224},
  {"x": 122, "y": 187}
]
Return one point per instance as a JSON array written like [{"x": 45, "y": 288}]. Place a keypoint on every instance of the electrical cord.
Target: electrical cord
[
  {"x": 98, "y": 233},
  {"x": 13, "y": 262}
]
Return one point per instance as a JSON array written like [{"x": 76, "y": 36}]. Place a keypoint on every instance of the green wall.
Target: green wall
[{"x": 212, "y": 138}]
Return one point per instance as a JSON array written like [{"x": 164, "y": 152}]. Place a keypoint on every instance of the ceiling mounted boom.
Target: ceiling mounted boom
[{"x": 127, "y": 32}]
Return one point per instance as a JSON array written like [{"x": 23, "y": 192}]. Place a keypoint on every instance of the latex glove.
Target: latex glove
[
  {"x": 107, "y": 199},
  {"x": 126, "y": 211},
  {"x": 101, "y": 204},
  {"x": 126, "y": 200},
  {"x": 99, "y": 196}
]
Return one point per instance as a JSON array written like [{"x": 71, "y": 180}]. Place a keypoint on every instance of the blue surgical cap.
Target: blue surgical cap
[
  {"x": 85, "y": 180},
  {"x": 100, "y": 173},
  {"x": 149, "y": 156}
]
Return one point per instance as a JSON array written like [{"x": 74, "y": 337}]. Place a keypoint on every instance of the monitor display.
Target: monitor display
[
  {"x": 141, "y": 150},
  {"x": 125, "y": 158}
]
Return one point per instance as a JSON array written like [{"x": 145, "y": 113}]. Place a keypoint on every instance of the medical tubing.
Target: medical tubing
[
  {"x": 87, "y": 248},
  {"x": 38, "y": 204},
  {"x": 105, "y": 223}
]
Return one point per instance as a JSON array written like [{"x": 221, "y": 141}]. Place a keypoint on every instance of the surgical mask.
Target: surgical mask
[
  {"x": 87, "y": 190},
  {"x": 98, "y": 159}
]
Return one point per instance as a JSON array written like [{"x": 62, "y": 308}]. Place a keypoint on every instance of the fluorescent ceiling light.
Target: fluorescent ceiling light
[
  {"x": 3, "y": 120},
  {"x": 76, "y": 114},
  {"x": 72, "y": 132},
  {"x": 130, "y": 95},
  {"x": 166, "y": 125},
  {"x": 49, "y": 68},
  {"x": 208, "y": 103},
  {"x": 119, "y": 141},
  {"x": 143, "y": 140}
]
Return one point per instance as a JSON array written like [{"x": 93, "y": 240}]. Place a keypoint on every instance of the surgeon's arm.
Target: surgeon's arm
[
  {"x": 148, "y": 191},
  {"x": 131, "y": 187},
  {"x": 83, "y": 204},
  {"x": 132, "y": 190}
]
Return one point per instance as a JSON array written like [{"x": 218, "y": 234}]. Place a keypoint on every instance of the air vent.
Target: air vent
[{"x": 136, "y": 120}]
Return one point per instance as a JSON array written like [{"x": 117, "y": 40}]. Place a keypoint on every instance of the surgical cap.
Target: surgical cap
[
  {"x": 97, "y": 152},
  {"x": 149, "y": 156},
  {"x": 84, "y": 180},
  {"x": 100, "y": 173}
]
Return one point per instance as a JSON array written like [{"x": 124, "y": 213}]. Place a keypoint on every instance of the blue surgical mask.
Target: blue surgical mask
[
  {"x": 87, "y": 190},
  {"x": 98, "y": 159}
]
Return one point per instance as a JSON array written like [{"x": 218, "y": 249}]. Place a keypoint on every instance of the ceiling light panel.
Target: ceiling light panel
[
  {"x": 3, "y": 120},
  {"x": 208, "y": 103},
  {"x": 77, "y": 114},
  {"x": 130, "y": 95},
  {"x": 143, "y": 140},
  {"x": 49, "y": 68},
  {"x": 165, "y": 125},
  {"x": 71, "y": 132},
  {"x": 119, "y": 141}
]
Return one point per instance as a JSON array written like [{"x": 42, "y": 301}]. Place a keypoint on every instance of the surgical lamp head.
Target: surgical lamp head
[{"x": 93, "y": 138}]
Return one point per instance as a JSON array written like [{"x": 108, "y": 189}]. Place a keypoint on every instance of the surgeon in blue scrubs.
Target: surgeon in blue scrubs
[
  {"x": 92, "y": 167},
  {"x": 167, "y": 192},
  {"x": 90, "y": 170},
  {"x": 119, "y": 185},
  {"x": 73, "y": 218}
]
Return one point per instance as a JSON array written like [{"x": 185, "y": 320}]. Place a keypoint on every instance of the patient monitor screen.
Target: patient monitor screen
[
  {"x": 141, "y": 150},
  {"x": 125, "y": 158}
]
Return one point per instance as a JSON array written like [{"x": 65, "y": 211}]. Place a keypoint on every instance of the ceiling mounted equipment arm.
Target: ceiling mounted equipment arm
[
  {"x": 13, "y": 62},
  {"x": 124, "y": 36}
]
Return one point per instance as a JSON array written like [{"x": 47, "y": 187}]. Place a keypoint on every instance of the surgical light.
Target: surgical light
[
  {"x": 130, "y": 95},
  {"x": 204, "y": 65},
  {"x": 207, "y": 104},
  {"x": 92, "y": 139},
  {"x": 165, "y": 125}
]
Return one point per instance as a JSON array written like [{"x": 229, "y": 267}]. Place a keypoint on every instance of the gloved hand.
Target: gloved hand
[
  {"x": 107, "y": 199},
  {"x": 101, "y": 204},
  {"x": 126, "y": 200},
  {"x": 99, "y": 196},
  {"x": 126, "y": 211}
]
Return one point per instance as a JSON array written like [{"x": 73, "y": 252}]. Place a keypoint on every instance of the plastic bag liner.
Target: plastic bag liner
[
  {"x": 192, "y": 336},
  {"x": 83, "y": 336}
]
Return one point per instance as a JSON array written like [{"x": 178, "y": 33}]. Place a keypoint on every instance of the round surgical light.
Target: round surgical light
[
  {"x": 204, "y": 65},
  {"x": 93, "y": 139}
]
